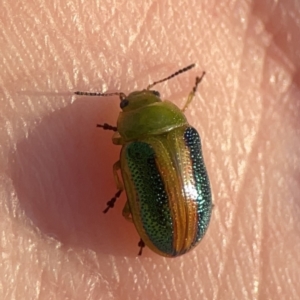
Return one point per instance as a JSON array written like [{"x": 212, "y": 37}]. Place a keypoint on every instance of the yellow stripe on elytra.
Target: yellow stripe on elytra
[
  {"x": 188, "y": 208},
  {"x": 176, "y": 171},
  {"x": 168, "y": 170}
]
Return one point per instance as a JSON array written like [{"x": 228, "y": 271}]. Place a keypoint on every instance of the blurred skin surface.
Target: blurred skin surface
[{"x": 56, "y": 166}]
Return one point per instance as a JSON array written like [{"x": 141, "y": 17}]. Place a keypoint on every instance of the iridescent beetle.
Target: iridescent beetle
[{"x": 165, "y": 179}]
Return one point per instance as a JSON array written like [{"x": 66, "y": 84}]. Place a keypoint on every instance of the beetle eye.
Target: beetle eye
[
  {"x": 156, "y": 93},
  {"x": 124, "y": 103}
]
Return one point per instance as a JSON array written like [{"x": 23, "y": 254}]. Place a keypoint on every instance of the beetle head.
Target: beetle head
[{"x": 138, "y": 99}]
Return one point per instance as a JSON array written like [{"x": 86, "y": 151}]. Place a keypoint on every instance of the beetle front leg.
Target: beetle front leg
[
  {"x": 192, "y": 93},
  {"x": 117, "y": 139},
  {"x": 111, "y": 202},
  {"x": 106, "y": 126}
]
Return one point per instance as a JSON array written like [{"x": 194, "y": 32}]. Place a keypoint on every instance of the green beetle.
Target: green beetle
[{"x": 164, "y": 176}]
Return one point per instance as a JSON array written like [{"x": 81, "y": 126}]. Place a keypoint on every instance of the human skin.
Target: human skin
[{"x": 56, "y": 166}]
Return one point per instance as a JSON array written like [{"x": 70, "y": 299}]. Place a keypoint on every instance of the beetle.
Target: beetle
[{"x": 164, "y": 176}]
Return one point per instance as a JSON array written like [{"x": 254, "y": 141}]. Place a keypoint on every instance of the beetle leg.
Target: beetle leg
[
  {"x": 127, "y": 216},
  {"x": 141, "y": 244},
  {"x": 192, "y": 93},
  {"x": 116, "y": 168},
  {"x": 111, "y": 202},
  {"x": 126, "y": 212},
  {"x": 117, "y": 139},
  {"x": 106, "y": 126}
]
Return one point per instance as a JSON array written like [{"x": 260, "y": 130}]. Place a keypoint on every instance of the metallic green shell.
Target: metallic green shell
[{"x": 168, "y": 189}]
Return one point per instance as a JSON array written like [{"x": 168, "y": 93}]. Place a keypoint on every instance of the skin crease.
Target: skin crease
[{"x": 56, "y": 166}]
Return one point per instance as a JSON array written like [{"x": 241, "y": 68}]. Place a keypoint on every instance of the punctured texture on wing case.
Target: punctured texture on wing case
[{"x": 168, "y": 190}]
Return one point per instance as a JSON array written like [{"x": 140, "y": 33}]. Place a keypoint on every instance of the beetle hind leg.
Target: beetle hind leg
[
  {"x": 128, "y": 217},
  {"x": 112, "y": 201},
  {"x": 192, "y": 93},
  {"x": 127, "y": 212},
  {"x": 141, "y": 244}
]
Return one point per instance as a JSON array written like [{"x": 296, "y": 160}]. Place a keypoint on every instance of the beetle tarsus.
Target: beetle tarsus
[
  {"x": 106, "y": 126},
  {"x": 112, "y": 201},
  {"x": 141, "y": 244},
  {"x": 198, "y": 80}
]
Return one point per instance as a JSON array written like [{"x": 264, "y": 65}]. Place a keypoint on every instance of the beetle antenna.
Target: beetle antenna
[
  {"x": 121, "y": 95},
  {"x": 171, "y": 76}
]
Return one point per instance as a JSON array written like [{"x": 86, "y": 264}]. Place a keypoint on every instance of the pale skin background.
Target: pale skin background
[{"x": 56, "y": 166}]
